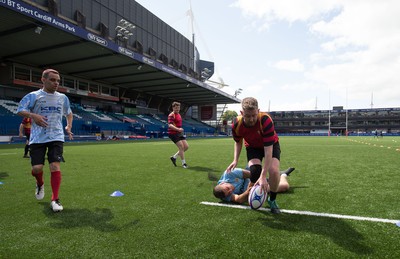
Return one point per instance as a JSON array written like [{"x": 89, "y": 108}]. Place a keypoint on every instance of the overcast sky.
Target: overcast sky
[{"x": 297, "y": 55}]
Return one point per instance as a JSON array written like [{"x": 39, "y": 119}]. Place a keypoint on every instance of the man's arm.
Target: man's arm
[
  {"x": 241, "y": 198},
  {"x": 68, "y": 128},
  {"x": 26, "y": 114},
  {"x": 172, "y": 126},
  {"x": 236, "y": 155},
  {"x": 38, "y": 119},
  {"x": 21, "y": 130},
  {"x": 246, "y": 173},
  {"x": 267, "y": 164}
]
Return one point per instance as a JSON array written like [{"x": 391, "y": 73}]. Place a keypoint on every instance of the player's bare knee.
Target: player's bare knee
[
  {"x": 255, "y": 172},
  {"x": 37, "y": 169},
  {"x": 54, "y": 167},
  {"x": 283, "y": 187}
]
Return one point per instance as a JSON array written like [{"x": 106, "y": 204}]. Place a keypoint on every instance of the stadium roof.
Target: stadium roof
[{"x": 33, "y": 37}]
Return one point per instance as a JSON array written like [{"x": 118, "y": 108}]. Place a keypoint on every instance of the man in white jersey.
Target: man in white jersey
[{"x": 46, "y": 107}]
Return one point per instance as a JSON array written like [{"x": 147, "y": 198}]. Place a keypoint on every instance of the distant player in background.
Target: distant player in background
[
  {"x": 46, "y": 107},
  {"x": 256, "y": 129},
  {"x": 234, "y": 186},
  {"x": 25, "y": 130},
  {"x": 176, "y": 134}
]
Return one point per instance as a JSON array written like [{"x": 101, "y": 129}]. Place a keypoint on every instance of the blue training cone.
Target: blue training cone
[{"x": 116, "y": 194}]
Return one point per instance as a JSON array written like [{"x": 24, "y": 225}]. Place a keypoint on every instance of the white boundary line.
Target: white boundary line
[
  {"x": 6, "y": 154},
  {"x": 309, "y": 213}
]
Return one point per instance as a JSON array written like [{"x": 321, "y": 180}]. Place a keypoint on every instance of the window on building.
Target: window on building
[
  {"x": 94, "y": 88},
  {"x": 22, "y": 73},
  {"x": 36, "y": 77},
  {"x": 68, "y": 82},
  {"x": 105, "y": 90},
  {"x": 84, "y": 86},
  {"x": 114, "y": 92}
]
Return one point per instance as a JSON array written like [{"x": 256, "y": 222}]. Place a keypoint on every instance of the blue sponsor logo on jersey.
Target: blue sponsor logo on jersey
[{"x": 50, "y": 109}]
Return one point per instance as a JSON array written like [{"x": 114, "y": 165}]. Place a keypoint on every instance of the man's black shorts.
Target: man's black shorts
[
  {"x": 54, "y": 152},
  {"x": 176, "y": 137},
  {"x": 259, "y": 152}
]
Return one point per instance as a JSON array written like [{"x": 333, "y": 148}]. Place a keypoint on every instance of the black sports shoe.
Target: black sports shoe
[
  {"x": 288, "y": 171},
  {"x": 185, "y": 165},
  {"x": 274, "y": 207},
  {"x": 173, "y": 160}
]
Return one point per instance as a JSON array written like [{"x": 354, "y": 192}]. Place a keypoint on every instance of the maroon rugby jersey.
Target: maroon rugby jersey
[
  {"x": 176, "y": 120},
  {"x": 27, "y": 122},
  {"x": 260, "y": 135}
]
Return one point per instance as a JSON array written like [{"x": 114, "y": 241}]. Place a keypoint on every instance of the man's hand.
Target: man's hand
[
  {"x": 231, "y": 166},
  {"x": 39, "y": 120},
  {"x": 263, "y": 182},
  {"x": 69, "y": 132}
]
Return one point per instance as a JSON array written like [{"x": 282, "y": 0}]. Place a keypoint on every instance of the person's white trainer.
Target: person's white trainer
[
  {"x": 56, "y": 206},
  {"x": 39, "y": 192}
]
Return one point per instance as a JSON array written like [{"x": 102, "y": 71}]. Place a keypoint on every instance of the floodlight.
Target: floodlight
[{"x": 38, "y": 29}]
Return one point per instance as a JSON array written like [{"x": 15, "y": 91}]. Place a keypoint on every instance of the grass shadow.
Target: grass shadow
[
  {"x": 338, "y": 230},
  {"x": 3, "y": 175},
  {"x": 292, "y": 189},
  {"x": 98, "y": 219},
  {"x": 212, "y": 177},
  {"x": 201, "y": 169}
]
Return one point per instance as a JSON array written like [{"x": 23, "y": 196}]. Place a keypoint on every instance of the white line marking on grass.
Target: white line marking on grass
[
  {"x": 308, "y": 213},
  {"x": 6, "y": 154}
]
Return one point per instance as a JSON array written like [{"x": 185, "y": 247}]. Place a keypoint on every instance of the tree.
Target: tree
[{"x": 229, "y": 115}]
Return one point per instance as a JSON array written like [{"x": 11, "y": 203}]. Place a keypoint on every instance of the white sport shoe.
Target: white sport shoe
[
  {"x": 39, "y": 192},
  {"x": 185, "y": 165},
  {"x": 56, "y": 206}
]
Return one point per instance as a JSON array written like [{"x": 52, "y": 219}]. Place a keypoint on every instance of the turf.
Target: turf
[{"x": 160, "y": 215}]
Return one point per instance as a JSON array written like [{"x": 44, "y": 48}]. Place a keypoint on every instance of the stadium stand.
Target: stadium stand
[
  {"x": 89, "y": 121},
  {"x": 116, "y": 86}
]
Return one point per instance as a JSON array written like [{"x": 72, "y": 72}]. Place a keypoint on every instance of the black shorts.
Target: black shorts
[
  {"x": 176, "y": 137},
  {"x": 259, "y": 152},
  {"x": 28, "y": 136},
  {"x": 54, "y": 152}
]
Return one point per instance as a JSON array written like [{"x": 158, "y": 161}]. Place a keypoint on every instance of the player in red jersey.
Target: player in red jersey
[
  {"x": 258, "y": 132},
  {"x": 176, "y": 134},
  {"x": 25, "y": 129}
]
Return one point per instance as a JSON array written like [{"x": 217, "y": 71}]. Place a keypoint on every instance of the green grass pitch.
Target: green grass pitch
[{"x": 160, "y": 215}]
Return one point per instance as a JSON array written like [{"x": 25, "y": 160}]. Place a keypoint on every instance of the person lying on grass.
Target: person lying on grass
[{"x": 235, "y": 186}]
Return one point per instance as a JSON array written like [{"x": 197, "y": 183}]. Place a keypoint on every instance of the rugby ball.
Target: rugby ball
[{"x": 257, "y": 197}]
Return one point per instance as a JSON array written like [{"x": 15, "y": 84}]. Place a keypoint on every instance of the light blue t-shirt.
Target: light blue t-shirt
[
  {"x": 235, "y": 177},
  {"x": 53, "y": 107}
]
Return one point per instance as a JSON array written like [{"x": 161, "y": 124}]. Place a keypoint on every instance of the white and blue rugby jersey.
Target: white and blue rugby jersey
[
  {"x": 53, "y": 107},
  {"x": 235, "y": 177}
]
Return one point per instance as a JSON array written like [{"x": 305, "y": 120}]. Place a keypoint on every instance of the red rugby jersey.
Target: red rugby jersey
[
  {"x": 260, "y": 135},
  {"x": 176, "y": 120},
  {"x": 27, "y": 123}
]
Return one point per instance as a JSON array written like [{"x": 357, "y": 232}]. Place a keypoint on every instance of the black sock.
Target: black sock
[
  {"x": 26, "y": 149},
  {"x": 272, "y": 196}
]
